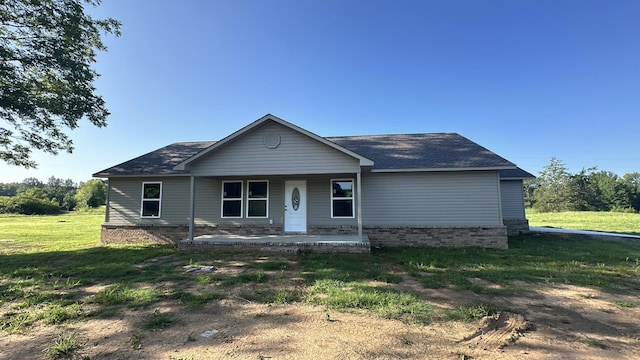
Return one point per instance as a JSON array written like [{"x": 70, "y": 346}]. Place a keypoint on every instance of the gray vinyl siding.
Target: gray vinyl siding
[
  {"x": 427, "y": 199},
  {"x": 209, "y": 206},
  {"x": 125, "y": 196},
  {"x": 512, "y": 199},
  {"x": 319, "y": 197},
  {"x": 296, "y": 154},
  {"x": 468, "y": 198},
  {"x": 125, "y": 199}
]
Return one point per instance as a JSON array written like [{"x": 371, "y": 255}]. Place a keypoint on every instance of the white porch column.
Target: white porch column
[
  {"x": 192, "y": 207},
  {"x": 359, "y": 200}
]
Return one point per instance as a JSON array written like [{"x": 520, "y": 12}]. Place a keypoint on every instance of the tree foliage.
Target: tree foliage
[
  {"x": 32, "y": 196},
  {"x": 554, "y": 191},
  {"x": 47, "y": 48},
  {"x": 558, "y": 190},
  {"x": 92, "y": 193}
]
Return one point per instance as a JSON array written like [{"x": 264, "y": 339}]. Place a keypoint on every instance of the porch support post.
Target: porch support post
[
  {"x": 359, "y": 200},
  {"x": 192, "y": 207}
]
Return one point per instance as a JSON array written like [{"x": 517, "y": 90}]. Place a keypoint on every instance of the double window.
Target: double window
[
  {"x": 342, "y": 198},
  {"x": 257, "y": 199},
  {"x": 151, "y": 199}
]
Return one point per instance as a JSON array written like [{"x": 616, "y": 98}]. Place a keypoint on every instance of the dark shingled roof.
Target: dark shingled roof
[
  {"x": 516, "y": 173},
  {"x": 389, "y": 152},
  {"x": 422, "y": 151},
  {"x": 158, "y": 162}
]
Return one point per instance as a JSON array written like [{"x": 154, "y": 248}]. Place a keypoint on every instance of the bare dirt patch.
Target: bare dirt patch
[{"x": 551, "y": 322}]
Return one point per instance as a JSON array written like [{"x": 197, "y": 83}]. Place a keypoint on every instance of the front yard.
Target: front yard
[{"x": 546, "y": 297}]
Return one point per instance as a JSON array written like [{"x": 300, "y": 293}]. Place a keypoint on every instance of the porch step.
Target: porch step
[{"x": 292, "y": 244}]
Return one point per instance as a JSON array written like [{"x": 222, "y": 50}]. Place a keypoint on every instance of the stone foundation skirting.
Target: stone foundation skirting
[
  {"x": 379, "y": 236},
  {"x": 516, "y": 226},
  {"x": 171, "y": 234},
  {"x": 426, "y": 236}
]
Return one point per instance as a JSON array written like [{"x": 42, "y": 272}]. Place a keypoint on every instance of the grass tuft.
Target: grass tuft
[
  {"x": 63, "y": 347},
  {"x": 118, "y": 294},
  {"x": 386, "y": 302},
  {"x": 470, "y": 313},
  {"x": 158, "y": 320}
]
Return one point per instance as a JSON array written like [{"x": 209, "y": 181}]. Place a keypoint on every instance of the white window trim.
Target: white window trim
[
  {"x": 143, "y": 199},
  {"x": 352, "y": 198},
  {"x": 260, "y": 199},
  {"x": 222, "y": 199}
]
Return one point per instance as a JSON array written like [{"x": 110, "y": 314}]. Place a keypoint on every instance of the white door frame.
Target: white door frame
[{"x": 295, "y": 212}]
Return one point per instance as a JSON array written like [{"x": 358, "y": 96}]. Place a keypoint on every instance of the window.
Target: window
[
  {"x": 342, "y": 198},
  {"x": 151, "y": 199},
  {"x": 232, "y": 199},
  {"x": 258, "y": 199}
]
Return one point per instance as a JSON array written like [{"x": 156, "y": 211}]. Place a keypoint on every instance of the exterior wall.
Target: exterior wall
[
  {"x": 399, "y": 209},
  {"x": 444, "y": 199},
  {"x": 125, "y": 200},
  {"x": 513, "y": 214},
  {"x": 512, "y": 197},
  {"x": 319, "y": 198},
  {"x": 296, "y": 154}
]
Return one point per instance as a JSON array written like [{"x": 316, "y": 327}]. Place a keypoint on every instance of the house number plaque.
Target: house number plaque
[{"x": 295, "y": 199}]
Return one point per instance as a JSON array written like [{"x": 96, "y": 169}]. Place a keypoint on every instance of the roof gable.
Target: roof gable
[{"x": 183, "y": 165}]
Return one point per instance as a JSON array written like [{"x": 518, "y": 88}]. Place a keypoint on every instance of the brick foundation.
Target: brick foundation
[
  {"x": 426, "y": 236},
  {"x": 380, "y": 236},
  {"x": 516, "y": 226},
  {"x": 171, "y": 234}
]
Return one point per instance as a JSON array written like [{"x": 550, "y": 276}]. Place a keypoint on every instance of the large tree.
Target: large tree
[{"x": 47, "y": 48}]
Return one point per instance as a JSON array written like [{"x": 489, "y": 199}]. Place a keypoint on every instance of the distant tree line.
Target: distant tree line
[
  {"x": 32, "y": 196},
  {"x": 556, "y": 189}
]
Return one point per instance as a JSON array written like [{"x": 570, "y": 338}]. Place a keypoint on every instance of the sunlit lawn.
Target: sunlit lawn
[
  {"x": 588, "y": 220},
  {"x": 71, "y": 231}
]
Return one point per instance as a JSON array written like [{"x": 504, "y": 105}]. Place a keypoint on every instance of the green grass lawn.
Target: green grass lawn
[
  {"x": 42, "y": 233},
  {"x": 47, "y": 263},
  {"x": 626, "y": 223}
]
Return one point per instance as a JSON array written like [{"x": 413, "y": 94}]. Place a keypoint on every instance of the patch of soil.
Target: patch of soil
[
  {"x": 498, "y": 330},
  {"x": 554, "y": 322}
]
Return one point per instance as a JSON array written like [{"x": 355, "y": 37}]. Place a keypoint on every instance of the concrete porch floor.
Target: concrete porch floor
[{"x": 281, "y": 243}]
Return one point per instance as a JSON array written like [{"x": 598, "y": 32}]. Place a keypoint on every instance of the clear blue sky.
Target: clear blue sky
[{"x": 529, "y": 80}]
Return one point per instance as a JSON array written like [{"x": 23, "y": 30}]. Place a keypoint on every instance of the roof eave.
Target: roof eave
[
  {"x": 492, "y": 168},
  {"x": 106, "y": 175}
]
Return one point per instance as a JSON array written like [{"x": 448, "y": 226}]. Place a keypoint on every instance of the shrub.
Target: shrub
[{"x": 27, "y": 204}]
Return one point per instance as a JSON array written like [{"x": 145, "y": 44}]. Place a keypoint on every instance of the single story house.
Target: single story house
[{"x": 272, "y": 177}]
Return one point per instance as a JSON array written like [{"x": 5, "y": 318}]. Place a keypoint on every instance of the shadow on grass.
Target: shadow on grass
[
  {"x": 611, "y": 266},
  {"x": 93, "y": 265}
]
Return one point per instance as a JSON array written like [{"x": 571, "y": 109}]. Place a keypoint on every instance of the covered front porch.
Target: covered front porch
[{"x": 288, "y": 243}]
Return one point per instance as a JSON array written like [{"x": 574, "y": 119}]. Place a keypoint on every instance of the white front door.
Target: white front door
[{"x": 295, "y": 206}]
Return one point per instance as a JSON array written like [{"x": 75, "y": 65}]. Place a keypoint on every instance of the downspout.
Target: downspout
[
  {"x": 192, "y": 206},
  {"x": 359, "y": 200}
]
